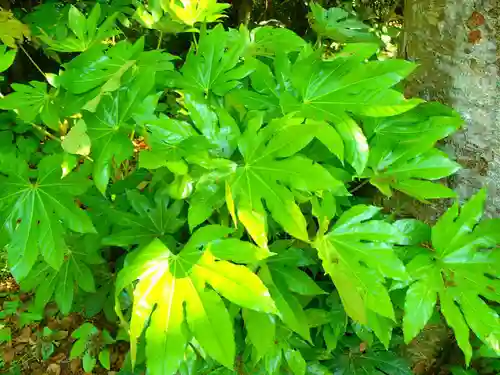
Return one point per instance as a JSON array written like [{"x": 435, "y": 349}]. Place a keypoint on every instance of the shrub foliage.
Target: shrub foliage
[{"x": 208, "y": 198}]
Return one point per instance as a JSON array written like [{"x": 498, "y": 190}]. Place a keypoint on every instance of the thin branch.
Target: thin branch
[
  {"x": 32, "y": 61},
  {"x": 160, "y": 40},
  {"x": 46, "y": 133},
  {"x": 359, "y": 186}
]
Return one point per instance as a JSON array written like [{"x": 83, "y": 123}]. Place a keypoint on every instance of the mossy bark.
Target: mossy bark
[{"x": 456, "y": 44}]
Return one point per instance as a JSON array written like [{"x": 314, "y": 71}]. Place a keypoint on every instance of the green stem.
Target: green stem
[
  {"x": 160, "y": 40},
  {"x": 46, "y": 133},
  {"x": 33, "y": 61},
  {"x": 359, "y": 186},
  {"x": 195, "y": 41}
]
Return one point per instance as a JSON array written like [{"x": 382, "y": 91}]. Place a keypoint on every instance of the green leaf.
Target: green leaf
[
  {"x": 403, "y": 153},
  {"x": 453, "y": 228},
  {"x": 329, "y": 88},
  {"x": 210, "y": 323},
  {"x": 297, "y": 280},
  {"x": 108, "y": 67},
  {"x": 104, "y": 358},
  {"x": 372, "y": 362},
  {"x": 456, "y": 321},
  {"x": 238, "y": 251},
  {"x": 271, "y": 170},
  {"x": 77, "y": 22},
  {"x": 78, "y": 348},
  {"x": 31, "y": 101},
  {"x": 216, "y": 64},
  {"x": 461, "y": 269},
  {"x": 218, "y": 127},
  {"x": 77, "y": 140},
  {"x": 414, "y": 231},
  {"x": 338, "y": 25},
  {"x": 37, "y": 212},
  {"x": 358, "y": 256},
  {"x": 108, "y": 127},
  {"x": 236, "y": 283},
  {"x": 289, "y": 308},
  {"x": 12, "y": 31},
  {"x": 89, "y": 362},
  {"x": 261, "y": 330},
  {"x": 270, "y": 41},
  {"x": 192, "y": 12},
  {"x": 6, "y": 58},
  {"x": 356, "y": 146},
  {"x": 296, "y": 362},
  {"x": 149, "y": 221},
  {"x": 75, "y": 272},
  {"x": 5, "y": 334},
  {"x": 419, "y": 307},
  {"x": 85, "y": 31},
  {"x": 167, "y": 281}
]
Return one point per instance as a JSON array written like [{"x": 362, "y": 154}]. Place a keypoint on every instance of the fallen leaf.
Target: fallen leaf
[
  {"x": 59, "y": 357},
  {"x": 19, "y": 348},
  {"x": 8, "y": 355},
  {"x": 475, "y": 36},
  {"x": 54, "y": 369},
  {"x": 362, "y": 347},
  {"x": 25, "y": 335},
  {"x": 74, "y": 365},
  {"x": 475, "y": 20}
]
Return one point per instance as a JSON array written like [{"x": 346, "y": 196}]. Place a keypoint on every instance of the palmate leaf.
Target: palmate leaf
[
  {"x": 212, "y": 132},
  {"x": 278, "y": 275},
  {"x": 191, "y": 12},
  {"x": 102, "y": 69},
  {"x": 12, "y": 31},
  {"x": 267, "y": 41},
  {"x": 6, "y": 58},
  {"x": 462, "y": 271},
  {"x": 37, "y": 211},
  {"x": 148, "y": 223},
  {"x": 84, "y": 32},
  {"x": 346, "y": 83},
  {"x": 372, "y": 362},
  {"x": 327, "y": 89},
  {"x": 109, "y": 126},
  {"x": 358, "y": 256},
  {"x": 75, "y": 273},
  {"x": 272, "y": 170},
  {"x": 339, "y": 25},
  {"x": 168, "y": 280},
  {"x": 403, "y": 156},
  {"x": 100, "y": 66},
  {"x": 215, "y": 65},
  {"x": 31, "y": 101}
]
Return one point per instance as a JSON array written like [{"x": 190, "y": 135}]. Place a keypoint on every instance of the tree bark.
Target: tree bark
[{"x": 455, "y": 42}]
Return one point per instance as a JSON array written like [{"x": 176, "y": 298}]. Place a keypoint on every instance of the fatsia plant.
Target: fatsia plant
[
  {"x": 169, "y": 280},
  {"x": 212, "y": 196},
  {"x": 459, "y": 266}
]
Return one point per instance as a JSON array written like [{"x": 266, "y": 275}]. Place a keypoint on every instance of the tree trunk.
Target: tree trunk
[{"x": 455, "y": 43}]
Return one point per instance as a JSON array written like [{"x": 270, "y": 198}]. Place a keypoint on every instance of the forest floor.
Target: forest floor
[{"x": 41, "y": 345}]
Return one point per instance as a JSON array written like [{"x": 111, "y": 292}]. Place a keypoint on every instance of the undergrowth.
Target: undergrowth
[{"x": 207, "y": 205}]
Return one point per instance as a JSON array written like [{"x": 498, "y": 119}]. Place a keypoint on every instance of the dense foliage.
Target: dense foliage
[{"x": 205, "y": 202}]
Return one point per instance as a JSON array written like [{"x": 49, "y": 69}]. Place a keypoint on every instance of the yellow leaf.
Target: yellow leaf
[
  {"x": 230, "y": 204},
  {"x": 12, "y": 30}
]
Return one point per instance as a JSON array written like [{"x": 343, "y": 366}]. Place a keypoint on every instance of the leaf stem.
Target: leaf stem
[
  {"x": 160, "y": 40},
  {"x": 359, "y": 186},
  {"x": 195, "y": 41},
  {"x": 45, "y": 132},
  {"x": 32, "y": 61},
  {"x": 195, "y": 350}
]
